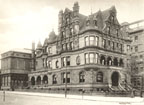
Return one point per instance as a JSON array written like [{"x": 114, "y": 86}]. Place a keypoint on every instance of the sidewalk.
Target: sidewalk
[{"x": 85, "y": 97}]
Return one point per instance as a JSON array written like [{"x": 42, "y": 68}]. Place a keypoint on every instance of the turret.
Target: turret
[{"x": 76, "y": 7}]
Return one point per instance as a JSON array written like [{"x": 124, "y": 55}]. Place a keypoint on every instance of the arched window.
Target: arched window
[
  {"x": 32, "y": 81},
  {"x": 38, "y": 80},
  {"x": 86, "y": 41},
  {"x": 78, "y": 60},
  {"x": 81, "y": 77},
  {"x": 115, "y": 62},
  {"x": 49, "y": 64},
  {"x": 104, "y": 43},
  {"x": 56, "y": 63},
  {"x": 54, "y": 78},
  {"x": 45, "y": 79},
  {"x": 102, "y": 60},
  {"x": 99, "y": 77},
  {"x": 109, "y": 61},
  {"x": 121, "y": 62}
]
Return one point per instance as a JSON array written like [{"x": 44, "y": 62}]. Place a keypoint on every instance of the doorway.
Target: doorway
[{"x": 115, "y": 79}]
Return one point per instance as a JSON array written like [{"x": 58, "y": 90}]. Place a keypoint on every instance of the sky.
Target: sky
[{"x": 25, "y": 21}]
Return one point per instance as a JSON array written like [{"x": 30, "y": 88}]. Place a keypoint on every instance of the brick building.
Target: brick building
[
  {"x": 15, "y": 66},
  {"x": 135, "y": 32},
  {"x": 88, "y": 53}
]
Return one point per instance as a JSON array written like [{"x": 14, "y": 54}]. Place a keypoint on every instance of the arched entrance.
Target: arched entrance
[
  {"x": 32, "y": 81},
  {"x": 115, "y": 78}
]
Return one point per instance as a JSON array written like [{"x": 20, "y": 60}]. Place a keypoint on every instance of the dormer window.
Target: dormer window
[
  {"x": 88, "y": 22},
  {"x": 95, "y": 22}
]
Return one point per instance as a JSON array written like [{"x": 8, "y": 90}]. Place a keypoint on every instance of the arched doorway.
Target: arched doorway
[
  {"x": 38, "y": 80},
  {"x": 45, "y": 79},
  {"x": 32, "y": 81},
  {"x": 115, "y": 79}
]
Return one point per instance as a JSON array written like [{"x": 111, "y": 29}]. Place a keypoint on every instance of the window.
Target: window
[
  {"x": 67, "y": 46},
  {"x": 54, "y": 79},
  {"x": 95, "y": 22},
  {"x": 47, "y": 63},
  {"x": 63, "y": 62},
  {"x": 136, "y": 48},
  {"x": 78, "y": 60},
  {"x": 112, "y": 18},
  {"x": 68, "y": 61},
  {"x": 115, "y": 62},
  {"x": 47, "y": 49},
  {"x": 108, "y": 30},
  {"x": 96, "y": 58},
  {"x": 88, "y": 22},
  {"x": 97, "y": 40},
  {"x": 113, "y": 47},
  {"x": 91, "y": 57},
  {"x": 128, "y": 48},
  {"x": 86, "y": 59},
  {"x": 50, "y": 65},
  {"x": 136, "y": 38},
  {"x": 104, "y": 43},
  {"x": 63, "y": 34},
  {"x": 71, "y": 45},
  {"x": 57, "y": 64},
  {"x": 81, "y": 77},
  {"x": 102, "y": 60},
  {"x": 121, "y": 47},
  {"x": 64, "y": 77},
  {"x": 117, "y": 32},
  {"x": 68, "y": 77},
  {"x": 92, "y": 40},
  {"x": 86, "y": 41},
  {"x": 99, "y": 77},
  {"x": 121, "y": 62},
  {"x": 109, "y": 61},
  {"x": 43, "y": 62},
  {"x": 64, "y": 46}
]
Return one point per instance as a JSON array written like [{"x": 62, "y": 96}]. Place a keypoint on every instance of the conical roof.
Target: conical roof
[
  {"x": 52, "y": 37},
  {"x": 39, "y": 45}
]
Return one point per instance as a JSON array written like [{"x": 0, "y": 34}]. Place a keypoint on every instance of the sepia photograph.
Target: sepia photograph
[{"x": 71, "y": 52}]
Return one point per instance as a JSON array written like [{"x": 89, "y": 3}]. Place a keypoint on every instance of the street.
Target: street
[{"x": 24, "y": 98}]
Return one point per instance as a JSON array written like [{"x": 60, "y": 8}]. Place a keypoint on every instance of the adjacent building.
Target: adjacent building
[
  {"x": 15, "y": 66},
  {"x": 135, "y": 32},
  {"x": 89, "y": 53}
]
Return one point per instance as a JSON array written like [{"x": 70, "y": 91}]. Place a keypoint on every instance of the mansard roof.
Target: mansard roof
[{"x": 102, "y": 16}]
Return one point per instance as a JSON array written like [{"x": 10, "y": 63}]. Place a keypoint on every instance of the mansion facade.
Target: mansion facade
[{"x": 89, "y": 53}]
